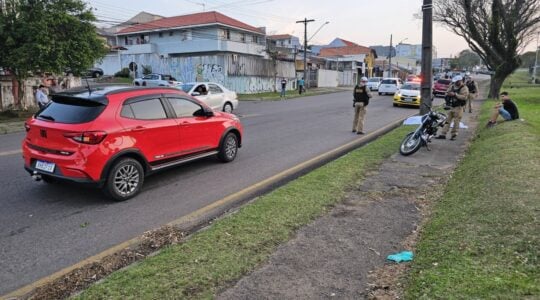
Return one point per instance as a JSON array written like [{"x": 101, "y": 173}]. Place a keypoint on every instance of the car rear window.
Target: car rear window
[
  {"x": 71, "y": 111},
  {"x": 444, "y": 81},
  {"x": 389, "y": 81},
  {"x": 373, "y": 80}
]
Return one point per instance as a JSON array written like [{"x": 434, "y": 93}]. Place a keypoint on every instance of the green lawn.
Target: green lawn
[
  {"x": 483, "y": 239},
  {"x": 236, "y": 245}
]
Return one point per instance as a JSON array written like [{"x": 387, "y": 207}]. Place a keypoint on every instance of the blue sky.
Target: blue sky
[{"x": 366, "y": 22}]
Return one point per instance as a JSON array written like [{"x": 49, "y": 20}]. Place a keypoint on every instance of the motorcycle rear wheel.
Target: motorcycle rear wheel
[{"x": 410, "y": 144}]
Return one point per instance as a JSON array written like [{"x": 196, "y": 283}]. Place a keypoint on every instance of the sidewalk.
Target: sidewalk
[{"x": 343, "y": 254}]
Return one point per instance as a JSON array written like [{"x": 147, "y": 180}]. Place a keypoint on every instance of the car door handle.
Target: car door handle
[{"x": 138, "y": 128}]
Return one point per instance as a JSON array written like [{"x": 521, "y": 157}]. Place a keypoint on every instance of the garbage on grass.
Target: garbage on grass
[{"x": 401, "y": 256}]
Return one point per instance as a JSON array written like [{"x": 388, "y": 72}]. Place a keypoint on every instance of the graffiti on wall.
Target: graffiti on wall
[
  {"x": 210, "y": 72},
  {"x": 217, "y": 68}
]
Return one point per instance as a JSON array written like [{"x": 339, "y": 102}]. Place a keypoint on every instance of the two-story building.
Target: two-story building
[
  {"x": 206, "y": 46},
  {"x": 351, "y": 59}
]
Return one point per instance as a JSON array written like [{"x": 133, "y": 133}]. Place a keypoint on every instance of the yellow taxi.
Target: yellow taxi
[{"x": 408, "y": 95}]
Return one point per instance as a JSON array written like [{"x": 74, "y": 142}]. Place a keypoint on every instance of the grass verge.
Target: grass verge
[
  {"x": 235, "y": 245},
  {"x": 483, "y": 239}
]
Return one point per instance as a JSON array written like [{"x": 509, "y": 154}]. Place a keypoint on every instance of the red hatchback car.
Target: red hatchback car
[
  {"x": 114, "y": 136},
  {"x": 440, "y": 86}
]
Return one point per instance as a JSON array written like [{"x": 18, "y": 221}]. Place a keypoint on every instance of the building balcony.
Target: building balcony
[{"x": 140, "y": 49}]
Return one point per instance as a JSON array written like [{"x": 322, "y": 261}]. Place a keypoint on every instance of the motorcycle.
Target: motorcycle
[{"x": 423, "y": 133}]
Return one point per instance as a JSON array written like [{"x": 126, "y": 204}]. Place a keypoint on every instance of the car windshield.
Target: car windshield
[
  {"x": 373, "y": 80},
  {"x": 408, "y": 86},
  {"x": 389, "y": 81},
  {"x": 187, "y": 87}
]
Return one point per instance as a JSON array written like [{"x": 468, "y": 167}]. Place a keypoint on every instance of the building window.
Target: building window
[
  {"x": 243, "y": 37},
  {"x": 171, "y": 33},
  {"x": 227, "y": 34},
  {"x": 160, "y": 34},
  {"x": 186, "y": 35}
]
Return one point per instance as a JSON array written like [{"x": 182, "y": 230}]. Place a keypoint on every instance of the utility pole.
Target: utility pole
[
  {"x": 305, "y": 21},
  {"x": 427, "y": 43},
  {"x": 390, "y": 58}
]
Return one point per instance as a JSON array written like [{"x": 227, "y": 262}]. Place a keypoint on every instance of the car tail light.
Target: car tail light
[
  {"x": 26, "y": 127},
  {"x": 88, "y": 137}
]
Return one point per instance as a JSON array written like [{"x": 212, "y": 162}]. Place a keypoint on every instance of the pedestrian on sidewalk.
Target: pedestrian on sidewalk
[
  {"x": 41, "y": 96},
  {"x": 283, "y": 88},
  {"x": 456, "y": 98},
  {"x": 361, "y": 97},
  {"x": 300, "y": 85},
  {"x": 473, "y": 91},
  {"x": 507, "y": 109}
]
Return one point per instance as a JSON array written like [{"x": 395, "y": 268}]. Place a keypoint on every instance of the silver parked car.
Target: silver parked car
[
  {"x": 373, "y": 83},
  {"x": 156, "y": 80},
  {"x": 213, "y": 94}
]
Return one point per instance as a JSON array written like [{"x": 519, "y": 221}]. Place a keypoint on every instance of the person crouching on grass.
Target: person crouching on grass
[{"x": 507, "y": 109}]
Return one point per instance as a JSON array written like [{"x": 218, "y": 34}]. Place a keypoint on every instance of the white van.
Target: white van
[{"x": 389, "y": 85}]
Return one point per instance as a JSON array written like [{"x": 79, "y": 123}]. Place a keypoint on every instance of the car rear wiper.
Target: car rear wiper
[{"x": 47, "y": 117}]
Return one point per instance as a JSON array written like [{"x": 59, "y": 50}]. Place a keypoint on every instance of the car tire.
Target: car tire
[
  {"x": 380, "y": 93},
  {"x": 137, "y": 84},
  {"x": 144, "y": 83},
  {"x": 227, "y": 107},
  {"x": 395, "y": 105},
  {"x": 228, "y": 148},
  {"x": 125, "y": 179}
]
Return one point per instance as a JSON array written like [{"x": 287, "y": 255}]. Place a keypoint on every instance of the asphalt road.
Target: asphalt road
[{"x": 45, "y": 228}]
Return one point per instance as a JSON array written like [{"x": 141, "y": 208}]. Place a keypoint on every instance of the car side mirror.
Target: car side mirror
[{"x": 195, "y": 94}]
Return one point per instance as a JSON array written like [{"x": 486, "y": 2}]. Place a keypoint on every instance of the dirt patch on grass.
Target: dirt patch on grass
[{"x": 80, "y": 278}]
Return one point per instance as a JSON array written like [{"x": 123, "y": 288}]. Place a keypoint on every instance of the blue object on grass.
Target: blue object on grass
[{"x": 401, "y": 256}]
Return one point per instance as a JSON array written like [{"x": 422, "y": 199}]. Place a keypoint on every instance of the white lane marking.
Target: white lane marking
[{"x": 6, "y": 153}]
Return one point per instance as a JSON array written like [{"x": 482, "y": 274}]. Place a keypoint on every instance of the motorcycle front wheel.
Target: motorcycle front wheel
[{"x": 411, "y": 143}]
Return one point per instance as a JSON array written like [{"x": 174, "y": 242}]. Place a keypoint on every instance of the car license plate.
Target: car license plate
[
  {"x": 407, "y": 99},
  {"x": 45, "y": 166}
]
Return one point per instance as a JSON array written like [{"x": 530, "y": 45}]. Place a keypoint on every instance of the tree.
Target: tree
[
  {"x": 467, "y": 59},
  {"x": 496, "y": 30},
  {"x": 47, "y": 35}
]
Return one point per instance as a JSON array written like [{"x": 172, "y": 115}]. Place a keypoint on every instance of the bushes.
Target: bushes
[{"x": 122, "y": 73}]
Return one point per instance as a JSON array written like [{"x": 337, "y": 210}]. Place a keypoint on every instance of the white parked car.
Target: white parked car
[
  {"x": 389, "y": 85},
  {"x": 214, "y": 94},
  {"x": 156, "y": 80},
  {"x": 373, "y": 83}
]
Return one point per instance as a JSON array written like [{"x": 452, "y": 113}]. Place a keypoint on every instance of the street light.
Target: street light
[{"x": 318, "y": 30}]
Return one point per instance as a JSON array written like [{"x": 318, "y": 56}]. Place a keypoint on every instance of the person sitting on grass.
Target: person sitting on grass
[{"x": 506, "y": 108}]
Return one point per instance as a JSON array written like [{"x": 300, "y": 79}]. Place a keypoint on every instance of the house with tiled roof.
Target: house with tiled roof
[
  {"x": 206, "y": 32},
  {"x": 207, "y": 46},
  {"x": 353, "y": 60}
]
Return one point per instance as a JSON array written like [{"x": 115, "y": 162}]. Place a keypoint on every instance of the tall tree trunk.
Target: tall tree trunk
[{"x": 495, "y": 85}]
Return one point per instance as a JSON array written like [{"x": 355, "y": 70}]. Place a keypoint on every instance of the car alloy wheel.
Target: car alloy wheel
[
  {"x": 227, "y": 108},
  {"x": 125, "y": 179},
  {"x": 229, "y": 148}
]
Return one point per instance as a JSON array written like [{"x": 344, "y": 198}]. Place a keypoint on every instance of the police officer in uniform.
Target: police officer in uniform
[
  {"x": 361, "y": 97},
  {"x": 457, "y": 95},
  {"x": 473, "y": 90}
]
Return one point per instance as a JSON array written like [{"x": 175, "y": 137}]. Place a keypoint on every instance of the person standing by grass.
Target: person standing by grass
[
  {"x": 457, "y": 95},
  {"x": 41, "y": 96},
  {"x": 300, "y": 85},
  {"x": 283, "y": 87},
  {"x": 506, "y": 108},
  {"x": 361, "y": 97}
]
